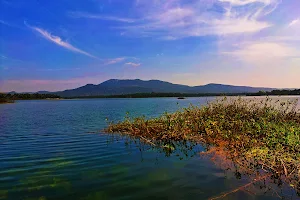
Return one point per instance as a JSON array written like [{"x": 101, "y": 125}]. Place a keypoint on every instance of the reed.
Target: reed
[{"x": 262, "y": 134}]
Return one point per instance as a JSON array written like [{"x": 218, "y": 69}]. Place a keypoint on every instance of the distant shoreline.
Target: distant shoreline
[
  {"x": 36, "y": 96},
  {"x": 152, "y": 97},
  {"x": 10, "y": 98},
  {"x": 7, "y": 102},
  {"x": 176, "y": 95}
]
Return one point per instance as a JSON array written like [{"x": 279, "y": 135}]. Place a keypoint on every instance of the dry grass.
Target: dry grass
[{"x": 257, "y": 135}]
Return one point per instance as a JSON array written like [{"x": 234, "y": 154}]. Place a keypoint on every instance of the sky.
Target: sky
[{"x": 63, "y": 44}]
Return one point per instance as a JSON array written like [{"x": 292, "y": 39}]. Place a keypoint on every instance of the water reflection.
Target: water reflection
[
  {"x": 258, "y": 181},
  {"x": 62, "y": 178},
  {"x": 60, "y": 155}
]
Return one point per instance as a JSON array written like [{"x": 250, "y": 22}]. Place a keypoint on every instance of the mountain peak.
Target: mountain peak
[{"x": 111, "y": 80}]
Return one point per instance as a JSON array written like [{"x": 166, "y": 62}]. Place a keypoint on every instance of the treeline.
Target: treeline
[
  {"x": 4, "y": 97},
  {"x": 153, "y": 95},
  {"x": 9, "y": 97},
  {"x": 276, "y": 92}
]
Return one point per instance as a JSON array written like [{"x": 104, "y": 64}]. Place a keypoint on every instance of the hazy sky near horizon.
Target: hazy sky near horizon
[{"x": 62, "y": 44}]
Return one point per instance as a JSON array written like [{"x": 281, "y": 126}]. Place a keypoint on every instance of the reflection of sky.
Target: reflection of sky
[{"x": 58, "y": 45}]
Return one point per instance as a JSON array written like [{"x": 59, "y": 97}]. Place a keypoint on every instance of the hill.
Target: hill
[{"x": 119, "y": 87}]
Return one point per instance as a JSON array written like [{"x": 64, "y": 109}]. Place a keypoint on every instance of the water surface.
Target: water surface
[{"x": 54, "y": 149}]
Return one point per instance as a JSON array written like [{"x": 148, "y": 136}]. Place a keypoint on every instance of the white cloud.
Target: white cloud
[
  {"x": 133, "y": 64},
  {"x": 284, "y": 38},
  {"x": 266, "y": 49},
  {"x": 245, "y": 2},
  {"x": 57, "y": 40},
  {"x": 100, "y": 17},
  {"x": 294, "y": 22},
  {"x": 231, "y": 26},
  {"x": 177, "y": 19},
  {"x": 174, "y": 14},
  {"x": 276, "y": 48},
  {"x": 114, "y": 61},
  {"x": 259, "y": 53},
  {"x": 119, "y": 60}
]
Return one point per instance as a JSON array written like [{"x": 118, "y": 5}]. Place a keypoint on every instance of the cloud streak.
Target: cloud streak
[
  {"x": 114, "y": 61},
  {"x": 264, "y": 53},
  {"x": 10, "y": 24},
  {"x": 265, "y": 49},
  {"x": 4, "y": 23},
  {"x": 58, "y": 41},
  {"x": 245, "y": 2},
  {"x": 100, "y": 17},
  {"x": 133, "y": 64},
  {"x": 3, "y": 57},
  {"x": 122, "y": 59}
]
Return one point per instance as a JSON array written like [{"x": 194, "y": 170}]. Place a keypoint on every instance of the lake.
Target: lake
[{"x": 54, "y": 149}]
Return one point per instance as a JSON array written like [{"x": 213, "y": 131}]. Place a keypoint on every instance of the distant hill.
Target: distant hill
[
  {"x": 39, "y": 92},
  {"x": 12, "y": 92},
  {"x": 43, "y": 92},
  {"x": 119, "y": 87}
]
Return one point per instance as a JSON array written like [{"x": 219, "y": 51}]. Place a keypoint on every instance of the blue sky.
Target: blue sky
[{"x": 62, "y": 44}]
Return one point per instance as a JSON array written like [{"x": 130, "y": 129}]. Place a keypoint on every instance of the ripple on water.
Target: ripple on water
[{"x": 48, "y": 153}]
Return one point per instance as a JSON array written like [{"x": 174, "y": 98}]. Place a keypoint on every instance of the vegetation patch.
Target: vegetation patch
[
  {"x": 5, "y": 100},
  {"x": 10, "y": 98},
  {"x": 257, "y": 136}
]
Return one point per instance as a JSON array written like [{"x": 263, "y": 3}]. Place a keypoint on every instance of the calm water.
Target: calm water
[{"x": 55, "y": 150}]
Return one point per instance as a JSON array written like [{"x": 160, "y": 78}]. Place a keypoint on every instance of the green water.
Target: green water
[{"x": 55, "y": 150}]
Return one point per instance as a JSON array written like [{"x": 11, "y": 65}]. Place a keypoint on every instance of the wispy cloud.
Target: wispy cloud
[
  {"x": 3, "y": 57},
  {"x": 10, "y": 59},
  {"x": 100, "y": 17},
  {"x": 119, "y": 60},
  {"x": 57, "y": 40},
  {"x": 265, "y": 49},
  {"x": 269, "y": 53},
  {"x": 5, "y": 23},
  {"x": 245, "y": 2},
  {"x": 268, "y": 49},
  {"x": 282, "y": 38},
  {"x": 114, "y": 61},
  {"x": 133, "y": 64},
  {"x": 294, "y": 22},
  {"x": 10, "y": 24},
  {"x": 178, "y": 18},
  {"x": 59, "y": 69}
]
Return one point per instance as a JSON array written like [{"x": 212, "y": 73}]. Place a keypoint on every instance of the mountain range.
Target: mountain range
[{"x": 119, "y": 87}]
